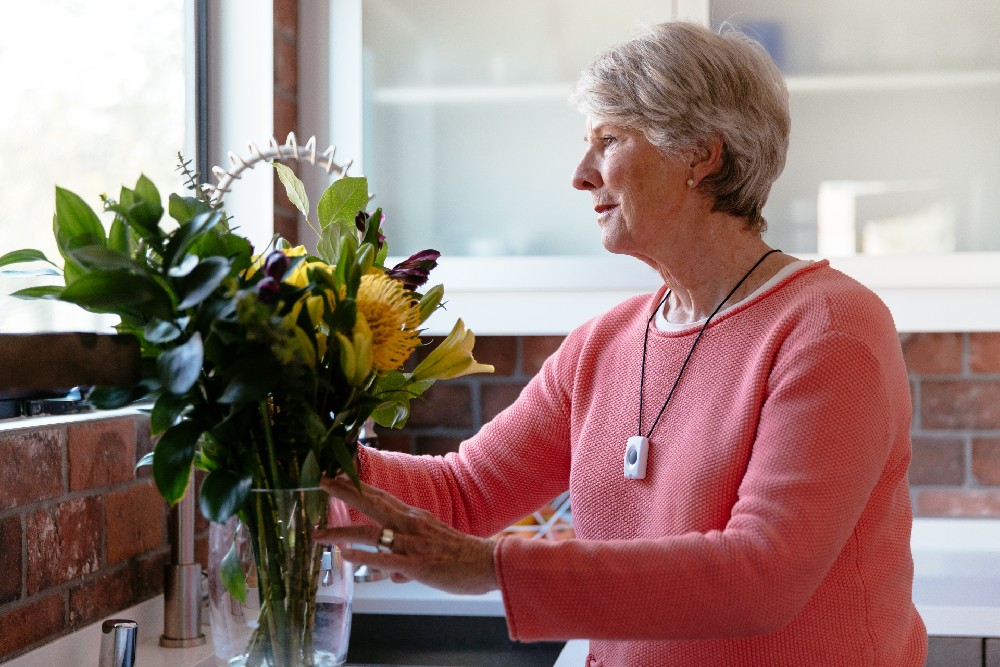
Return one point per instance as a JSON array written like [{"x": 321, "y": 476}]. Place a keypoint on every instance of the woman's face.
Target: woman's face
[{"x": 640, "y": 195}]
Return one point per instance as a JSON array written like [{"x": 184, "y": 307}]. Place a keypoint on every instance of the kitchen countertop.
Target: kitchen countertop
[{"x": 956, "y": 589}]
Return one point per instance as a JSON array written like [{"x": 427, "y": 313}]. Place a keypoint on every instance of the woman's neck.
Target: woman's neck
[{"x": 700, "y": 281}]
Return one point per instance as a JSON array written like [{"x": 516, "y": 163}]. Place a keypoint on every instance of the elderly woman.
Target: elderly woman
[{"x": 735, "y": 445}]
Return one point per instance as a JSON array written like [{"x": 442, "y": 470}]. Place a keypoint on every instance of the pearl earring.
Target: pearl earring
[{"x": 690, "y": 182}]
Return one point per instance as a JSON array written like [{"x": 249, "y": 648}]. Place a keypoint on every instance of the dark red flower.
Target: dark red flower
[
  {"x": 276, "y": 265},
  {"x": 414, "y": 270},
  {"x": 268, "y": 290}
]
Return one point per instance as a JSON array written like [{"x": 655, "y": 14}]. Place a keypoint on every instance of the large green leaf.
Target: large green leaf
[
  {"x": 40, "y": 292},
  {"x": 294, "y": 188},
  {"x": 146, "y": 190},
  {"x": 166, "y": 410},
  {"x": 118, "y": 291},
  {"x": 173, "y": 458},
  {"x": 223, "y": 493},
  {"x": 179, "y": 367},
  {"x": 183, "y": 209},
  {"x": 141, "y": 216},
  {"x": 202, "y": 281},
  {"x": 104, "y": 258},
  {"x": 25, "y": 255},
  {"x": 186, "y": 235},
  {"x": 75, "y": 220},
  {"x": 118, "y": 237},
  {"x": 342, "y": 201}
]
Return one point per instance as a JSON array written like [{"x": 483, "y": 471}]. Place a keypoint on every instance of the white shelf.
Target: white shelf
[
  {"x": 406, "y": 95},
  {"x": 819, "y": 83},
  {"x": 892, "y": 81}
]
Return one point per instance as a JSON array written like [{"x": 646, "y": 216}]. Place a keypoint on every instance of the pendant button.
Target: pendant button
[{"x": 636, "y": 453}]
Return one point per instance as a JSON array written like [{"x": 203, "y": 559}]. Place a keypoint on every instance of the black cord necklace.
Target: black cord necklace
[{"x": 637, "y": 447}]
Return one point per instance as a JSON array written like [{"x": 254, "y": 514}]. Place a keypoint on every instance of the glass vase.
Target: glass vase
[{"x": 276, "y": 598}]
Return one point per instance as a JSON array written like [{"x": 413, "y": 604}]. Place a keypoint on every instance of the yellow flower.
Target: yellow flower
[
  {"x": 452, "y": 358},
  {"x": 392, "y": 315}
]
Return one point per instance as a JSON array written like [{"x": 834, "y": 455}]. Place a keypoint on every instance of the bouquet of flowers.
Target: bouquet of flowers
[{"x": 261, "y": 367}]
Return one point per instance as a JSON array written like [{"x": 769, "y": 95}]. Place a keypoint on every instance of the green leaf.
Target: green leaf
[
  {"x": 118, "y": 292},
  {"x": 223, "y": 493},
  {"x": 104, "y": 258},
  {"x": 164, "y": 331},
  {"x": 172, "y": 459},
  {"x": 342, "y": 201},
  {"x": 372, "y": 227},
  {"x": 310, "y": 473},
  {"x": 329, "y": 242},
  {"x": 184, "y": 267},
  {"x": 118, "y": 237},
  {"x": 112, "y": 398},
  {"x": 182, "y": 209},
  {"x": 25, "y": 255},
  {"x": 75, "y": 221},
  {"x": 146, "y": 460},
  {"x": 231, "y": 574},
  {"x": 249, "y": 385},
  {"x": 392, "y": 414},
  {"x": 179, "y": 368},
  {"x": 294, "y": 188},
  {"x": 186, "y": 235},
  {"x": 202, "y": 281},
  {"x": 146, "y": 190},
  {"x": 40, "y": 292},
  {"x": 166, "y": 410}
]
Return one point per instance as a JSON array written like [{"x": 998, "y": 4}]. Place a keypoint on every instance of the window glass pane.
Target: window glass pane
[
  {"x": 93, "y": 96},
  {"x": 469, "y": 139},
  {"x": 895, "y": 143},
  {"x": 469, "y": 142}
]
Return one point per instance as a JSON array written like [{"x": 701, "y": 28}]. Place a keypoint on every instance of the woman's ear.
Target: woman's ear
[{"x": 706, "y": 160}]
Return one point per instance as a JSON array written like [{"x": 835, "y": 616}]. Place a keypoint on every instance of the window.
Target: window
[{"x": 94, "y": 95}]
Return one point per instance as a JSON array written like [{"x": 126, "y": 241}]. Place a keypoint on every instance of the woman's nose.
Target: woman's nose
[{"x": 586, "y": 176}]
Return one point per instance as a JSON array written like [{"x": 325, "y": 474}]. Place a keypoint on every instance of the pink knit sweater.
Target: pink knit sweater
[{"x": 773, "y": 525}]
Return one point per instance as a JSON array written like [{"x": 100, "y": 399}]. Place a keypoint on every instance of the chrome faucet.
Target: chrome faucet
[
  {"x": 182, "y": 579},
  {"x": 118, "y": 638}
]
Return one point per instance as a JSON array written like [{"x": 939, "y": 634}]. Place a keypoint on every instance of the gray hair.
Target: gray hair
[{"x": 681, "y": 84}]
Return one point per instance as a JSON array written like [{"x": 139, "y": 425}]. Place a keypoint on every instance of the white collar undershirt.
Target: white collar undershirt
[{"x": 663, "y": 325}]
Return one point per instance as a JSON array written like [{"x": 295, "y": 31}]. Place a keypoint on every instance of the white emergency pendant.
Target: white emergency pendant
[{"x": 636, "y": 453}]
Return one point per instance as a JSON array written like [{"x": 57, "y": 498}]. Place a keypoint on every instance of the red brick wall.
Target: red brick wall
[
  {"x": 954, "y": 379},
  {"x": 81, "y": 535},
  {"x": 955, "y": 382}
]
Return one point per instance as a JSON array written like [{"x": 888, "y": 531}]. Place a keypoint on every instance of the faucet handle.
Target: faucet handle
[{"x": 118, "y": 638}]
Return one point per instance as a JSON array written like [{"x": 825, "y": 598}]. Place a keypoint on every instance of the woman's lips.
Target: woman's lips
[{"x": 602, "y": 210}]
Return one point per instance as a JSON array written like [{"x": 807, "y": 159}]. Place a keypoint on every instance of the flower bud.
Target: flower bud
[
  {"x": 276, "y": 265},
  {"x": 268, "y": 290}
]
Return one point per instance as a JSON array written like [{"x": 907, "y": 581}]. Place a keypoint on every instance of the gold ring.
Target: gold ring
[{"x": 385, "y": 540}]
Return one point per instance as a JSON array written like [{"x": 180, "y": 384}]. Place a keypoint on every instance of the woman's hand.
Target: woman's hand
[{"x": 412, "y": 543}]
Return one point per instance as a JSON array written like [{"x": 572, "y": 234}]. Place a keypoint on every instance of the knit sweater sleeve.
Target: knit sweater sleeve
[
  {"x": 515, "y": 464},
  {"x": 822, "y": 440}
]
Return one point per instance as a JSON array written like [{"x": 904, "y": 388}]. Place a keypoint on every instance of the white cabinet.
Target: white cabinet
[{"x": 457, "y": 112}]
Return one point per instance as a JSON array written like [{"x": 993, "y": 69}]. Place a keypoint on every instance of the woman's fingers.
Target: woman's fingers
[
  {"x": 410, "y": 543},
  {"x": 376, "y": 504}
]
